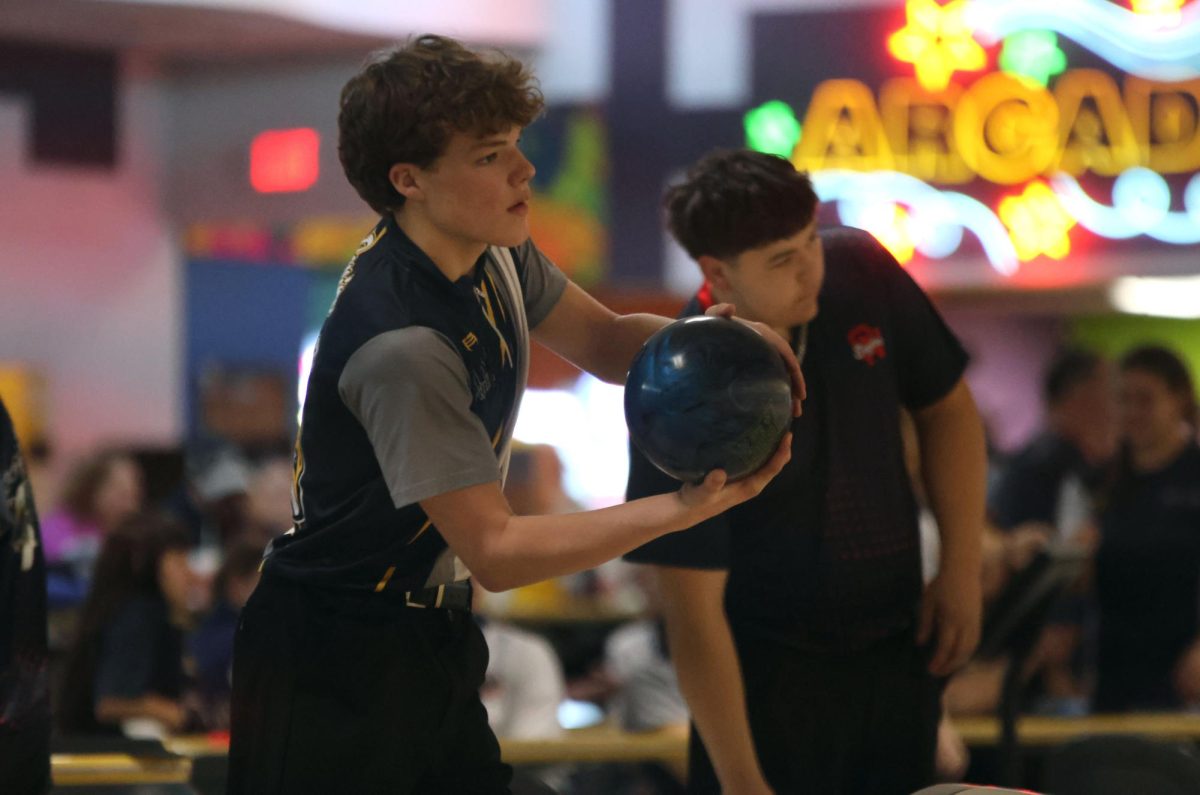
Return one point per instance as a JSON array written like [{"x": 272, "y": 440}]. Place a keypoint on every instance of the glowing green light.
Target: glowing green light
[
  {"x": 1034, "y": 54},
  {"x": 772, "y": 128}
]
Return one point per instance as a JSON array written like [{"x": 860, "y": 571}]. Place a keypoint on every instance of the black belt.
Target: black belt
[{"x": 453, "y": 596}]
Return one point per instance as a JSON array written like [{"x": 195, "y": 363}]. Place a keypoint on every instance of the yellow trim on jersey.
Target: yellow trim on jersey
[
  {"x": 369, "y": 242},
  {"x": 499, "y": 302},
  {"x": 386, "y": 576},
  {"x": 424, "y": 527},
  {"x": 297, "y": 489},
  {"x": 489, "y": 312}
]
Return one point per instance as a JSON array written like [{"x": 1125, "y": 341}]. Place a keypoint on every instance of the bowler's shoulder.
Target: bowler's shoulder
[{"x": 852, "y": 247}]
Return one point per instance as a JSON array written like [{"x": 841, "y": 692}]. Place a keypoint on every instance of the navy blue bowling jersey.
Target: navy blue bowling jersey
[
  {"x": 413, "y": 393},
  {"x": 827, "y": 557},
  {"x": 24, "y": 660}
]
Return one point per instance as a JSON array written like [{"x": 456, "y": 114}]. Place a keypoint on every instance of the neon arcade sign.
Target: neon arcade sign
[{"x": 1033, "y": 129}]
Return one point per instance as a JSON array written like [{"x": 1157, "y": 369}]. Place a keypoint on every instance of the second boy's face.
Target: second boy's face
[
  {"x": 779, "y": 283},
  {"x": 478, "y": 191}
]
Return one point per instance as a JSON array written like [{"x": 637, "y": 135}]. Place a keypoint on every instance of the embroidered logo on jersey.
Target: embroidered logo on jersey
[
  {"x": 470, "y": 341},
  {"x": 481, "y": 381},
  {"x": 867, "y": 343}
]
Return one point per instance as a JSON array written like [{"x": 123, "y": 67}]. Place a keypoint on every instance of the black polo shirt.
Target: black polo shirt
[
  {"x": 412, "y": 394},
  {"x": 1030, "y": 486},
  {"x": 24, "y": 661},
  {"x": 828, "y": 556},
  {"x": 1148, "y": 584}
]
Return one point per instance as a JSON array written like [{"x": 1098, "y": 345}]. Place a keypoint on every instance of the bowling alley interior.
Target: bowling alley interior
[{"x": 177, "y": 230}]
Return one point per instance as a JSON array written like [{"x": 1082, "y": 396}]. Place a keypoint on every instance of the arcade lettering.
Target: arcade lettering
[{"x": 1003, "y": 128}]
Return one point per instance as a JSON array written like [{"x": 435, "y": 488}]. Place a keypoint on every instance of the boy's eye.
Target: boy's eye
[{"x": 483, "y": 161}]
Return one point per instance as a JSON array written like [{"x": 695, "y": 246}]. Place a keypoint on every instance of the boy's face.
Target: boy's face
[
  {"x": 477, "y": 192},
  {"x": 776, "y": 284}
]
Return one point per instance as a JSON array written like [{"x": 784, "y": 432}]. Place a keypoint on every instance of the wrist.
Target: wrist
[
  {"x": 745, "y": 781},
  {"x": 966, "y": 559}
]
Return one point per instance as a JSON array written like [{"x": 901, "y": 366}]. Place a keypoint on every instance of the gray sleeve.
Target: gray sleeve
[
  {"x": 409, "y": 390},
  {"x": 541, "y": 280}
]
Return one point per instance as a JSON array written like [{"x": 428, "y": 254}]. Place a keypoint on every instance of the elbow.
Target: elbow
[
  {"x": 492, "y": 571},
  {"x": 491, "y": 578}
]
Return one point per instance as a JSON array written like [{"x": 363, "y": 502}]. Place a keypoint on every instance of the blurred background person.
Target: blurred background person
[
  {"x": 524, "y": 683},
  {"x": 1046, "y": 494},
  {"x": 218, "y": 490},
  {"x": 1045, "y": 490},
  {"x": 269, "y": 500},
  {"x": 642, "y": 691},
  {"x": 523, "y": 687},
  {"x": 1148, "y": 560},
  {"x": 211, "y": 644},
  {"x": 99, "y": 493},
  {"x": 125, "y": 669}
]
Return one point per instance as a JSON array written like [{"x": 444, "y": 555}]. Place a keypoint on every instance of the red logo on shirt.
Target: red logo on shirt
[{"x": 867, "y": 343}]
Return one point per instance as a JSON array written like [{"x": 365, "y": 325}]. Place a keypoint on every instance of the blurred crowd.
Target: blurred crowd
[{"x": 144, "y": 593}]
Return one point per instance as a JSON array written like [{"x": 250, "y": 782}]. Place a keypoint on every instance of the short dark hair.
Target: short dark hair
[
  {"x": 1068, "y": 369},
  {"x": 734, "y": 200},
  {"x": 1166, "y": 365},
  {"x": 405, "y": 103}
]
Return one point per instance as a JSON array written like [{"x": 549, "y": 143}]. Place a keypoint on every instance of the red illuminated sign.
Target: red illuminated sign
[{"x": 284, "y": 161}]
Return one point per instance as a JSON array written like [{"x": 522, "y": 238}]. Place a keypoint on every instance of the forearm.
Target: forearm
[
  {"x": 614, "y": 350},
  {"x": 528, "y": 549},
  {"x": 954, "y": 470},
  {"x": 710, "y": 679},
  {"x": 505, "y": 551}
]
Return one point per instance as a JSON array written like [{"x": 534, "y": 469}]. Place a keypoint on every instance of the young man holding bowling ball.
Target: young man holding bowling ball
[
  {"x": 357, "y": 665},
  {"x": 810, "y": 656}
]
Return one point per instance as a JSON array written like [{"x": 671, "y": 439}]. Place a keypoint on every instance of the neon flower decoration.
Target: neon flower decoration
[
  {"x": 1165, "y": 12},
  {"x": 1034, "y": 54},
  {"x": 938, "y": 42},
  {"x": 1141, "y": 205},
  {"x": 1037, "y": 221},
  {"x": 1132, "y": 42},
  {"x": 888, "y": 223},
  {"x": 772, "y": 128},
  {"x": 935, "y": 220}
]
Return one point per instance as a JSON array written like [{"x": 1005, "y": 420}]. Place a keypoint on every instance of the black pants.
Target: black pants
[
  {"x": 861, "y": 723},
  {"x": 337, "y": 694}
]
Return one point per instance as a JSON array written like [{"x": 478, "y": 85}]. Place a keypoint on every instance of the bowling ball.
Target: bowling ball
[{"x": 707, "y": 393}]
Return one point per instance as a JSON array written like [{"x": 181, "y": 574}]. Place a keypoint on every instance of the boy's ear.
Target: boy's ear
[
  {"x": 716, "y": 272},
  {"x": 405, "y": 178}
]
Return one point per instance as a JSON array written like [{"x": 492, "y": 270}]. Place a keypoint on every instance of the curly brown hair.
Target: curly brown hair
[{"x": 405, "y": 103}]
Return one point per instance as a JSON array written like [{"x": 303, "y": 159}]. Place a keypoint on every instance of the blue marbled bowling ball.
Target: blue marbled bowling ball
[{"x": 707, "y": 393}]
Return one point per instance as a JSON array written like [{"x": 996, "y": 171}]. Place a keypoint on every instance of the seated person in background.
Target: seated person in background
[
  {"x": 645, "y": 691},
  {"x": 1148, "y": 559},
  {"x": 219, "y": 489},
  {"x": 125, "y": 670},
  {"x": 1046, "y": 495},
  {"x": 211, "y": 644},
  {"x": 522, "y": 690},
  {"x": 1047, "y": 487},
  {"x": 99, "y": 493},
  {"x": 268, "y": 500},
  {"x": 524, "y": 682}
]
